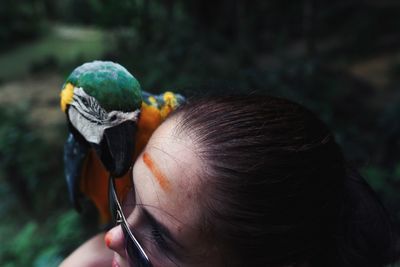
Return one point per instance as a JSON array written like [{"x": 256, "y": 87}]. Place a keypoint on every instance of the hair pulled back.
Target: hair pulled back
[{"x": 278, "y": 192}]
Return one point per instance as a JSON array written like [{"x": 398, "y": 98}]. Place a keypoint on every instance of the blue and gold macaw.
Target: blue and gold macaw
[{"x": 110, "y": 120}]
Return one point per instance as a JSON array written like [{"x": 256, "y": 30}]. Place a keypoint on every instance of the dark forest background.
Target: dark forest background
[{"x": 339, "y": 58}]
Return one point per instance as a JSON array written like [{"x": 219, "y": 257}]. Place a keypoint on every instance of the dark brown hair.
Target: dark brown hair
[{"x": 278, "y": 191}]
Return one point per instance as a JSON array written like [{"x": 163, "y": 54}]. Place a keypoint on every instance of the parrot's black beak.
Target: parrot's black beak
[{"x": 117, "y": 148}]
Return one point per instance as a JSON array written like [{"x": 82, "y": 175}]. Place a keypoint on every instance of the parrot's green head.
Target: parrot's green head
[
  {"x": 102, "y": 101},
  {"x": 110, "y": 84}
]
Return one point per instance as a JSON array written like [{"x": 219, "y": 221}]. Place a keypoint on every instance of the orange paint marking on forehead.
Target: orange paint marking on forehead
[{"x": 160, "y": 177}]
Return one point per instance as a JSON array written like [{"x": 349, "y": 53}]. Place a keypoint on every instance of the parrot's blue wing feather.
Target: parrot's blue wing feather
[
  {"x": 74, "y": 156},
  {"x": 180, "y": 99},
  {"x": 160, "y": 98},
  {"x": 146, "y": 95}
]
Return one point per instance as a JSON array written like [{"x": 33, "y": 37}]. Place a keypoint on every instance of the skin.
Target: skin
[
  {"x": 92, "y": 253},
  {"x": 162, "y": 180},
  {"x": 176, "y": 206}
]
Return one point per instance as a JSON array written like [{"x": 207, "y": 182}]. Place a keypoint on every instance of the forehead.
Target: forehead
[{"x": 173, "y": 157}]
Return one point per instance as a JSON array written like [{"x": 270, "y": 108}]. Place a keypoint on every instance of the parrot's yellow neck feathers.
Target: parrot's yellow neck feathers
[
  {"x": 170, "y": 103},
  {"x": 67, "y": 95},
  {"x": 170, "y": 99},
  {"x": 152, "y": 101}
]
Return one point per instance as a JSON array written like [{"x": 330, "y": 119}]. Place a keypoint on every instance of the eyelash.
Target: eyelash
[
  {"x": 158, "y": 238},
  {"x": 160, "y": 242},
  {"x": 156, "y": 235}
]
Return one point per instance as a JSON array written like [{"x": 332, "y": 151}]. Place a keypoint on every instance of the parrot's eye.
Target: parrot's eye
[{"x": 113, "y": 117}]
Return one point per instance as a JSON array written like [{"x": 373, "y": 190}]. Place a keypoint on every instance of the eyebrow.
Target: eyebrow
[
  {"x": 161, "y": 227},
  {"x": 160, "y": 177}
]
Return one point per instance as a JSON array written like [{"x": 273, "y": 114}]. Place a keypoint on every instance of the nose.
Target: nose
[{"x": 114, "y": 240}]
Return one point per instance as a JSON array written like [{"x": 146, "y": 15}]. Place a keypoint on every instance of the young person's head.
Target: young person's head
[{"x": 250, "y": 181}]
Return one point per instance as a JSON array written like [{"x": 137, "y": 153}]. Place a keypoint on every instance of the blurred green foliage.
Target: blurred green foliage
[
  {"x": 41, "y": 243},
  {"x": 37, "y": 226},
  {"x": 305, "y": 51},
  {"x": 20, "y": 20},
  {"x": 62, "y": 46}
]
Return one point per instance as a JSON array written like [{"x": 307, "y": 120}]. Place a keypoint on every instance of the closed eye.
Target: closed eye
[
  {"x": 159, "y": 239},
  {"x": 160, "y": 243}
]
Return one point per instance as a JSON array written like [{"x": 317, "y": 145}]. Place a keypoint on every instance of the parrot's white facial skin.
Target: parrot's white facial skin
[
  {"x": 91, "y": 120},
  {"x": 176, "y": 207}
]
